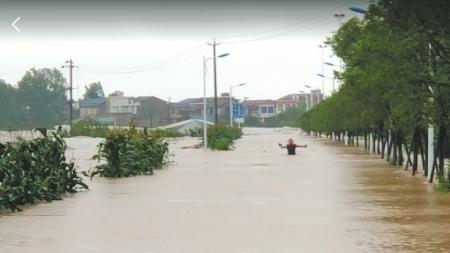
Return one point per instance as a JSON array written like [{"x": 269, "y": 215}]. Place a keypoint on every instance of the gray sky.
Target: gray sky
[{"x": 150, "y": 48}]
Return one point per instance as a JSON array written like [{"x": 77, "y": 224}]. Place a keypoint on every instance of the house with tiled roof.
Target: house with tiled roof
[
  {"x": 192, "y": 108},
  {"x": 93, "y": 108}
]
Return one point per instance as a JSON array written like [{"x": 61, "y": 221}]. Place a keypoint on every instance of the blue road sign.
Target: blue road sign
[{"x": 238, "y": 111}]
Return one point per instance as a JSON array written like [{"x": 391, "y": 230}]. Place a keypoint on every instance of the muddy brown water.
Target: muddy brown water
[{"x": 328, "y": 198}]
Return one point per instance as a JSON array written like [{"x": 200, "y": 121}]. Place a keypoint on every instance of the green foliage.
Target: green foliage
[
  {"x": 252, "y": 122},
  {"x": 94, "y": 90},
  {"x": 444, "y": 181},
  {"x": 222, "y": 137},
  {"x": 196, "y": 132},
  {"x": 89, "y": 127},
  {"x": 164, "y": 133},
  {"x": 127, "y": 152},
  {"x": 443, "y": 184},
  {"x": 37, "y": 170},
  {"x": 10, "y": 110},
  {"x": 43, "y": 92},
  {"x": 290, "y": 118},
  {"x": 396, "y": 80}
]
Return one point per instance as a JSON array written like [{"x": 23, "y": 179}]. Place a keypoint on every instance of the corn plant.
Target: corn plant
[
  {"x": 36, "y": 170},
  {"x": 129, "y": 153}
]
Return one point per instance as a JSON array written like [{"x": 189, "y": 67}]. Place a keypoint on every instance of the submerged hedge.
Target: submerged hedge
[
  {"x": 222, "y": 137},
  {"x": 127, "y": 152},
  {"x": 36, "y": 170},
  {"x": 89, "y": 127}
]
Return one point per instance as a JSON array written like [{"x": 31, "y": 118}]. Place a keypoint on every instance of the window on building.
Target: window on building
[
  {"x": 264, "y": 109},
  {"x": 270, "y": 109}
]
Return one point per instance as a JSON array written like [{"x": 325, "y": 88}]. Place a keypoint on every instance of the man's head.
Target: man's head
[{"x": 290, "y": 141}]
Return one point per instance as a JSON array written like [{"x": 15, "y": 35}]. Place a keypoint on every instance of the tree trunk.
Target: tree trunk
[
  {"x": 415, "y": 149},
  {"x": 422, "y": 157},
  {"x": 400, "y": 149},
  {"x": 373, "y": 143},
  {"x": 394, "y": 149},
  {"x": 390, "y": 144},
  {"x": 365, "y": 140}
]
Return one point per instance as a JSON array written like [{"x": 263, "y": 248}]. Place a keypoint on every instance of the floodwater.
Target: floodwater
[{"x": 328, "y": 198}]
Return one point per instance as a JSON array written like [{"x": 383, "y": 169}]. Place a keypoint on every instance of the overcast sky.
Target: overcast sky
[{"x": 154, "y": 48}]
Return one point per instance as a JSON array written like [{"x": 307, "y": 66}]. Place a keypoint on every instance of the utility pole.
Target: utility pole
[
  {"x": 70, "y": 66},
  {"x": 216, "y": 114}
]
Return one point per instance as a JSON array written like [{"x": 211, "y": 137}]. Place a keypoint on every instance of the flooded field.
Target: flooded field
[{"x": 328, "y": 198}]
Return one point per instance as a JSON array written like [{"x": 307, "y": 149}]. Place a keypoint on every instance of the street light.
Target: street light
[
  {"x": 205, "y": 127},
  {"x": 339, "y": 16},
  {"x": 358, "y": 10},
  {"x": 329, "y": 78},
  {"x": 231, "y": 101},
  {"x": 323, "y": 68}
]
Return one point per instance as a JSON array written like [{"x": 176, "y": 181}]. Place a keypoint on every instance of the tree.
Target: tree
[
  {"x": 9, "y": 107},
  {"x": 396, "y": 80},
  {"x": 43, "y": 94},
  {"x": 94, "y": 90}
]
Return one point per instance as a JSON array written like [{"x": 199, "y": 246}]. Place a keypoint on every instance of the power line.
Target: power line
[
  {"x": 294, "y": 24},
  {"x": 280, "y": 34},
  {"x": 304, "y": 25},
  {"x": 145, "y": 67}
]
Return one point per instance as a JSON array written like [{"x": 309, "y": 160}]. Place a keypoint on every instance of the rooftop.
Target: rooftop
[{"x": 92, "y": 102}]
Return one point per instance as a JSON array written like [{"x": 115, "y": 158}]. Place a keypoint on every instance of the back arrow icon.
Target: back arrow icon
[{"x": 14, "y": 24}]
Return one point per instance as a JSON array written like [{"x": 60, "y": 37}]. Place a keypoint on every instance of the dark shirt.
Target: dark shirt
[{"x": 291, "y": 148}]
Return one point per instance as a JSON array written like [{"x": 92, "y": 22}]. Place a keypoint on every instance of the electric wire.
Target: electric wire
[{"x": 300, "y": 26}]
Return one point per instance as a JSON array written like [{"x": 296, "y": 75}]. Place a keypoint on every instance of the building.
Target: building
[
  {"x": 96, "y": 109},
  {"x": 297, "y": 97},
  {"x": 151, "y": 112},
  {"x": 260, "y": 109},
  {"x": 192, "y": 108},
  {"x": 266, "y": 108},
  {"x": 122, "y": 109},
  {"x": 93, "y": 108},
  {"x": 181, "y": 110},
  {"x": 309, "y": 99},
  {"x": 313, "y": 98}
]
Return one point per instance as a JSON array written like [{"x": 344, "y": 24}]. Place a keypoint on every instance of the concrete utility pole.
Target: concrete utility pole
[
  {"x": 216, "y": 115},
  {"x": 205, "y": 126},
  {"x": 70, "y": 66}
]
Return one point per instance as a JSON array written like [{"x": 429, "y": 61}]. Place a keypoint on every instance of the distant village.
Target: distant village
[{"x": 117, "y": 109}]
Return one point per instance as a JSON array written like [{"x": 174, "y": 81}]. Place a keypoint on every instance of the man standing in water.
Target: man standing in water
[{"x": 291, "y": 146}]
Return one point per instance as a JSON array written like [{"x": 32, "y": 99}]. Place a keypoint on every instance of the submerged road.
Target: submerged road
[{"x": 328, "y": 198}]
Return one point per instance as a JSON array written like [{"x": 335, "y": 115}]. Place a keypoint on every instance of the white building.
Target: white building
[{"x": 122, "y": 108}]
